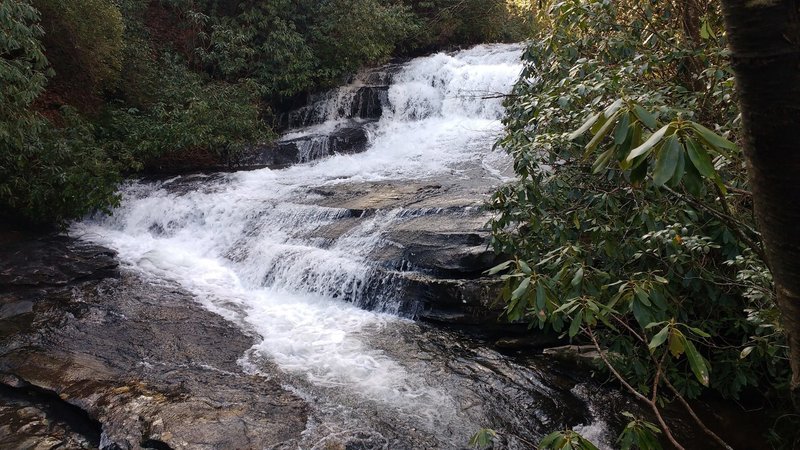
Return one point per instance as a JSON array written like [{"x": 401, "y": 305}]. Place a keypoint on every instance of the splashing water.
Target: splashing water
[{"x": 247, "y": 244}]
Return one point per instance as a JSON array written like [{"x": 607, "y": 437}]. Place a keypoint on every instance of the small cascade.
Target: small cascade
[
  {"x": 364, "y": 97},
  {"x": 372, "y": 211}
]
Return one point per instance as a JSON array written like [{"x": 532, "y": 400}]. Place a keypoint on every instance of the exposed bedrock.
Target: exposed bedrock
[
  {"x": 148, "y": 366},
  {"x": 348, "y": 138},
  {"x": 435, "y": 252}
]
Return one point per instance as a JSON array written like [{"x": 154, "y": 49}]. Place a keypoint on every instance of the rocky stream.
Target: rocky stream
[{"x": 331, "y": 297}]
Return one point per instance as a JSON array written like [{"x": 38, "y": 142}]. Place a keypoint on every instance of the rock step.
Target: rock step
[
  {"x": 348, "y": 139},
  {"x": 349, "y": 102}
]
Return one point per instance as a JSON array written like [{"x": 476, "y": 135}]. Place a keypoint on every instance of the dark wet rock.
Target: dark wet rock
[
  {"x": 365, "y": 97},
  {"x": 435, "y": 253},
  {"x": 543, "y": 340},
  {"x": 146, "y": 362},
  {"x": 344, "y": 140},
  {"x": 460, "y": 301},
  {"x": 369, "y": 102},
  {"x": 33, "y": 419},
  {"x": 444, "y": 253},
  {"x": 55, "y": 261}
]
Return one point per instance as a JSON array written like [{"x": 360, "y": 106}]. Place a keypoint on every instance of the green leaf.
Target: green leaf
[
  {"x": 521, "y": 289},
  {"x": 550, "y": 439},
  {"x": 677, "y": 342},
  {"x": 693, "y": 181},
  {"x": 697, "y": 363},
  {"x": 712, "y": 139},
  {"x": 483, "y": 438},
  {"x": 680, "y": 168},
  {"x": 526, "y": 269},
  {"x": 639, "y": 172},
  {"x": 700, "y": 159},
  {"x": 666, "y": 161},
  {"x": 601, "y": 163},
  {"x": 575, "y": 325},
  {"x": 499, "y": 268},
  {"x": 642, "y": 296},
  {"x": 578, "y": 277},
  {"x": 541, "y": 296},
  {"x": 601, "y": 133},
  {"x": 599, "y": 123},
  {"x": 706, "y": 32},
  {"x": 648, "y": 144},
  {"x": 642, "y": 313},
  {"x": 699, "y": 332},
  {"x": 621, "y": 131},
  {"x": 746, "y": 351},
  {"x": 583, "y": 128},
  {"x": 613, "y": 108},
  {"x": 586, "y": 445},
  {"x": 659, "y": 338},
  {"x": 645, "y": 117}
]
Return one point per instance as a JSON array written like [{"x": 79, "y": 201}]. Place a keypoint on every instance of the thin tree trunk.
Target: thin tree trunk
[{"x": 764, "y": 38}]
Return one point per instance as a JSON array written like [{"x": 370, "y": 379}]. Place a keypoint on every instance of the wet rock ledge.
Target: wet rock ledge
[{"x": 92, "y": 356}]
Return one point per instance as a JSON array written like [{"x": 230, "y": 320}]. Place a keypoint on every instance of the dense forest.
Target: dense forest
[{"x": 95, "y": 90}]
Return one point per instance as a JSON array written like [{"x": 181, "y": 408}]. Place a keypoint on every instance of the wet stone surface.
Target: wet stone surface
[{"x": 93, "y": 356}]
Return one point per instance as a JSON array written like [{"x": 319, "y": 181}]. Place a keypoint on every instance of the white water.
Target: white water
[{"x": 240, "y": 242}]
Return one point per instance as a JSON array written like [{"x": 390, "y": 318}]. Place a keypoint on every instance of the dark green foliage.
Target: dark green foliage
[
  {"x": 460, "y": 22},
  {"x": 23, "y": 71},
  {"x": 352, "y": 33},
  {"x": 290, "y": 47},
  {"x": 263, "y": 43},
  {"x": 631, "y": 223},
  {"x": 46, "y": 174},
  {"x": 565, "y": 440},
  {"x": 639, "y": 434},
  {"x": 57, "y": 173},
  {"x": 192, "y": 116},
  {"x": 84, "y": 41}
]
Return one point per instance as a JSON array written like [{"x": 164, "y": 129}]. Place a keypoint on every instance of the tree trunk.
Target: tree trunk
[{"x": 764, "y": 37}]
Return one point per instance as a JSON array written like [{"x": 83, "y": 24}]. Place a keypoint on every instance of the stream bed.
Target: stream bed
[{"x": 327, "y": 263}]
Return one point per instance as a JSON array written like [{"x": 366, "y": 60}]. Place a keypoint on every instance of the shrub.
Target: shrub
[
  {"x": 191, "y": 114},
  {"x": 46, "y": 174},
  {"x": 631, "y": 223},
  {"x": 84, "y": 40}
]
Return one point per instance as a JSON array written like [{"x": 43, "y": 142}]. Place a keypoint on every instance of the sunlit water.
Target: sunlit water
[{"x": 240, "y": 242}]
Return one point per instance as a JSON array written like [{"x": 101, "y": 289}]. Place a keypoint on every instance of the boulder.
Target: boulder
[
  {"x": 139, "y": 365},
  {"x": 348, "y": 139}
]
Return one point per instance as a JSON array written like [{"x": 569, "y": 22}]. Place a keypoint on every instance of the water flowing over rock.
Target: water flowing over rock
[{"x": 322, "y": 264}]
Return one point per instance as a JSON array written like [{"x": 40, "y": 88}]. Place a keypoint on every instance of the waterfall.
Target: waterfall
[{"x": 298, "y": 255}]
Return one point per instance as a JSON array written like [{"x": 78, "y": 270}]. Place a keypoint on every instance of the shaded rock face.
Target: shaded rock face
[
  {"x": 435, "y": 255},
  {"x": 147, "y": 366},
  {"x": 32, "y": 419},
  {"x": 356, "y": 105},
  {"x": 364, "y": 97},
  {"x": 347, "y": 139}
]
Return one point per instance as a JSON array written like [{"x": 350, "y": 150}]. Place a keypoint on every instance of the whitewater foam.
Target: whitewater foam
[{"x": 240, "y": 242}]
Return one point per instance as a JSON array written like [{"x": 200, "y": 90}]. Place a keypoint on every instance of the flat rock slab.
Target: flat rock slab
[{"x": 147, "y": 365}]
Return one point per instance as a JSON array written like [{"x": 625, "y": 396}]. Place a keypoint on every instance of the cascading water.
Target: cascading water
[{"x": 258, "y": 248}]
